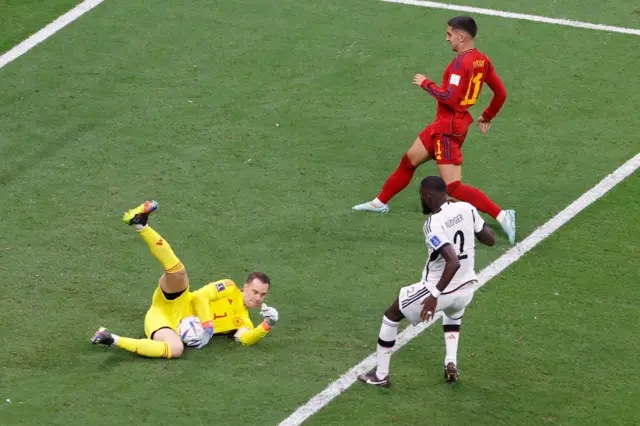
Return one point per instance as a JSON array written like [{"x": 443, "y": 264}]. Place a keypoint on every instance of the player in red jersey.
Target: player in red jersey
[{"x": 442, "y": 140}]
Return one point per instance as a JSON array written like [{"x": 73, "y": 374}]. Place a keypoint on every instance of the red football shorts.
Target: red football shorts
[{"x": 444, "y": 148}]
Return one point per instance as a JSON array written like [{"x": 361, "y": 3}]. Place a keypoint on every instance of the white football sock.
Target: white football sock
[
  {"x": 388, "y": 334},
  {"x": 501, "y": 216},
  {"x": 451, "y": 338},
  {"x": 451, "y": 345}
]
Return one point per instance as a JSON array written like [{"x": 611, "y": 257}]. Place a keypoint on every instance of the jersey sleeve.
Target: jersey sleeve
[
  {"x": 453, "y": 90},
  {"x": 249, "y": 336},
  {"x": 478, "y": 221},
  {"x": 434, "y": 235},
  {"x": 499, "y": 93},
  {"x": 217, "y": 290},
  {"x": 211, "y": 292}
]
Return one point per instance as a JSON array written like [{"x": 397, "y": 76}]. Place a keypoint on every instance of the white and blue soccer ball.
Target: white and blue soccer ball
[{"x": 190, "y": 330}]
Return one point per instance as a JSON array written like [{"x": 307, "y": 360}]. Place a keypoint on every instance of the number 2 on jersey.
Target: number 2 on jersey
[
  {"x": 476, "y": 81},
  {"x": 455, "y": 241}
]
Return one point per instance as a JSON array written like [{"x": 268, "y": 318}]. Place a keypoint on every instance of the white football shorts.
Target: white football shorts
[{"x": 451, "y": 304}]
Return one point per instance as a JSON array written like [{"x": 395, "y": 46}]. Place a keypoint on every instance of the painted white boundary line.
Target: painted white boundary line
[
  {"x": 48, "y": 31},
  {"x": 521, "y": 16},
  {"x": 346, "y": 380}
]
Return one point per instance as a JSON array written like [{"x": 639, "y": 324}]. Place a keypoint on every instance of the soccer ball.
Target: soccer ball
[{"x": 190, "y": 330}]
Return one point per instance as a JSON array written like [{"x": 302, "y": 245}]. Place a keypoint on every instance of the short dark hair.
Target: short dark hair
[
  {"x": 261, "y": 276},
  {"x": 464, "y": 23},
  {"x": 434, "y": 183}
]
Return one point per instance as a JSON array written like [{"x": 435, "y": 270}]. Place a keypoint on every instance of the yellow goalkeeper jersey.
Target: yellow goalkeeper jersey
[{"x": 221, "y": 302}]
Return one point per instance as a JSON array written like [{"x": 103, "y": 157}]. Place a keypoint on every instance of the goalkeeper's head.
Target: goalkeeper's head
[{"x": 255, "y": 289}]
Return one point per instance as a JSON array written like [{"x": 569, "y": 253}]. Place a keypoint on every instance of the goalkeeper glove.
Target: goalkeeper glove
[
  {"x": 270, "y": 314},
  {"x": 203, "y": 339}
]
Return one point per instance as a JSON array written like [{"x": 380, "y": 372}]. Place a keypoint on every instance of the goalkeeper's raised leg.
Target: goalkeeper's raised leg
[{"x": 169, "y": 301}]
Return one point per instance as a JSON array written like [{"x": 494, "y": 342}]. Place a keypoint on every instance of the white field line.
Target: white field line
[
  {"x": 48, "y": 31},
  {"x": 346, "y": 380},
  {"x": 521, "y": 16}
]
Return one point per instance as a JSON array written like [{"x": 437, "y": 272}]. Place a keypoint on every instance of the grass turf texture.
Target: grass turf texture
[{"x": 180, "y": 103}]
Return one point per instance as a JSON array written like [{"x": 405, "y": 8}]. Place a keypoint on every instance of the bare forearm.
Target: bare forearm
[{"x": 450, "y": 270}]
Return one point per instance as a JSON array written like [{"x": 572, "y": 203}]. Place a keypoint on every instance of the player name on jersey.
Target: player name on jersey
[{"x": 453, "y": 221}]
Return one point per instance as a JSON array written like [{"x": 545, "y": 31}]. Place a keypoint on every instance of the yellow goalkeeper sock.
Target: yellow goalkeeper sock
[
  {"x": 161, "y": 250},
  {"x": 144, "y": 347}
]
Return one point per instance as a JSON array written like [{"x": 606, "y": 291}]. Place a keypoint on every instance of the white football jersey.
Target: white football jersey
[{"x": 455, "y": 224}]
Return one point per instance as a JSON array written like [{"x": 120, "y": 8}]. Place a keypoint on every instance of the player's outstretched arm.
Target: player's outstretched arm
[{"x": 250, "y": 336}]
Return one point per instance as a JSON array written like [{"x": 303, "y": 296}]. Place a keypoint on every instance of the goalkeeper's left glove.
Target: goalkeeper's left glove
[
  {"x": 270, "y": 314},
  {"x": 204, "y": 338}
]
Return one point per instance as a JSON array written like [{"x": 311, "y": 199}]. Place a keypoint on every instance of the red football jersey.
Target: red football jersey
[{"x": 462, "y": 82}]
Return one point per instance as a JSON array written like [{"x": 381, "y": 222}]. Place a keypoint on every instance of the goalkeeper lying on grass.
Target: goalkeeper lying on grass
[{"x": 221, "y": 306}]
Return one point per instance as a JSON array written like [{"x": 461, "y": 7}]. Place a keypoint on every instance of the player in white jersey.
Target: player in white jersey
[{"x": 448, "y": 278}]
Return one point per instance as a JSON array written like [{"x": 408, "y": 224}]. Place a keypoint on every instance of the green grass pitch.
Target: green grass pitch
[{"x": 257, "y": 125}]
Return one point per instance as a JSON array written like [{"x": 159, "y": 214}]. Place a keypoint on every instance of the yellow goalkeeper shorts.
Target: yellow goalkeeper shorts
[{"x": 165, "y": 313}]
